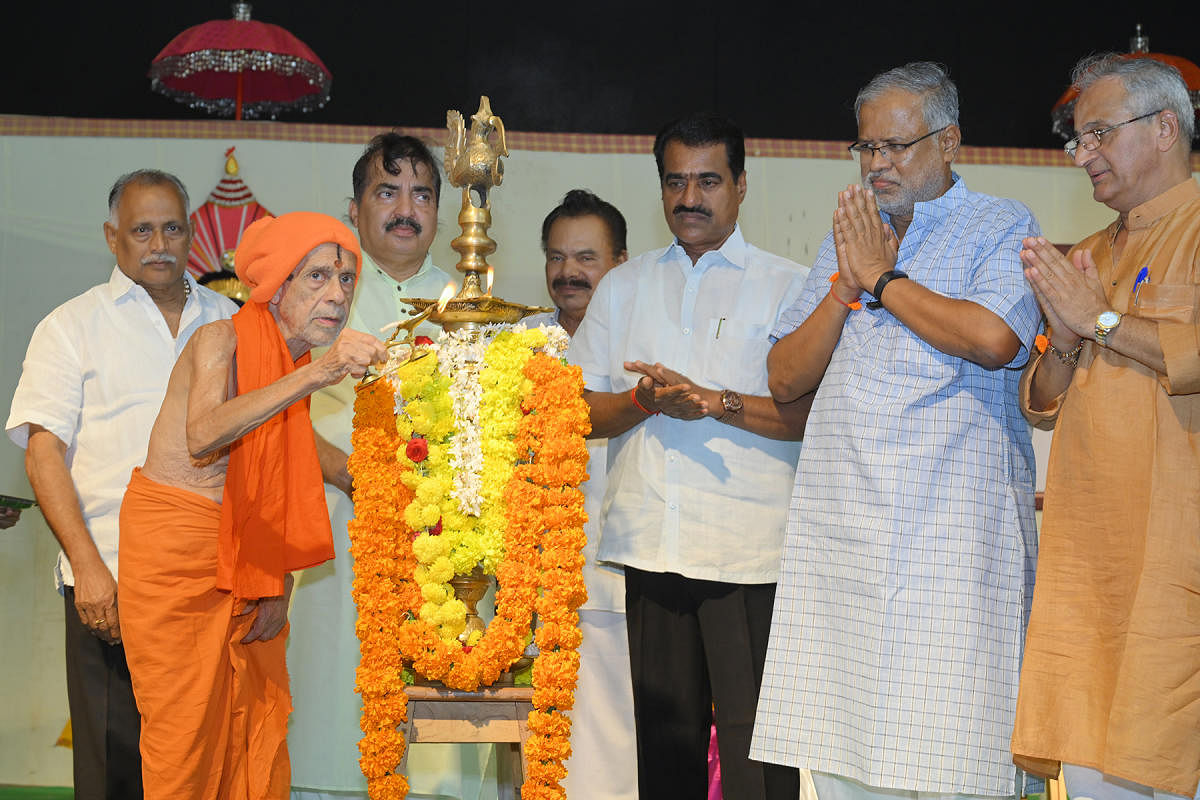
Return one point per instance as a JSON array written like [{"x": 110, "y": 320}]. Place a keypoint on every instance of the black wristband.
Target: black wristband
[{"x": 884, "y": 280}]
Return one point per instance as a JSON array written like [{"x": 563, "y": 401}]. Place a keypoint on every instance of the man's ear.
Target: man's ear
[
  {"x": 110, "y": 236},
  {"x": 949, "y": 141},
  {"x": 741, "y": 186},
  {"x": 277, "y": 298},
  {"x": 1168, "y": 130},
  {"x": 623, "y": 257},
  {"x": 352, "y": 212}
]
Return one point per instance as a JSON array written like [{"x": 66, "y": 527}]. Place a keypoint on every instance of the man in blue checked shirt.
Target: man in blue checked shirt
[{"x": 909, "y": 557}]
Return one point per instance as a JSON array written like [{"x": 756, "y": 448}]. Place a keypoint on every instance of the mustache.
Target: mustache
[
  {"x": 159, "y": 258},
  {"x": 573, "y": 283},
  {"x": 396, "y": 222},
  {"x": 682, "y": 209}
]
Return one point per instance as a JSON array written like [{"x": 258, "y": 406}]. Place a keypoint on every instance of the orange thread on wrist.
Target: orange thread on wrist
[{"x": 854, "y": 306}]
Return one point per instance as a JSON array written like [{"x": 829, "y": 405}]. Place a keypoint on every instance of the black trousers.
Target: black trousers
[
  {"x": 104, "y": 718},
  {"x": 697, "y": 645}
]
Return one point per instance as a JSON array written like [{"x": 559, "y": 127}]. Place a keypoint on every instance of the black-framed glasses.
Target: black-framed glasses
[
  {"x": 1093, "y": 139},
  {"x": 889, "y": 150}
]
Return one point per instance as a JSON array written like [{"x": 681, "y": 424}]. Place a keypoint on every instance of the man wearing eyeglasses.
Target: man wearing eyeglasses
[
  {"x": 1111, "y": 680},
  {"x": 910, "y": 550}
]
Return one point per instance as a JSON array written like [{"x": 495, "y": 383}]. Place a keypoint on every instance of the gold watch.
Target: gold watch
[
  {"x": 731, "y": 401},
  {"x": 1106, "y": 323}
]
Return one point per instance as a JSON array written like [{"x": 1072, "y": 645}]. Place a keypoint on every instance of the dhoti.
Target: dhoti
[{"x": 214, "y": 711}]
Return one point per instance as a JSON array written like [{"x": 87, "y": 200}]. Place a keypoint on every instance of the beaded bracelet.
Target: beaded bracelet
[{"x": 1071, "y": 358}]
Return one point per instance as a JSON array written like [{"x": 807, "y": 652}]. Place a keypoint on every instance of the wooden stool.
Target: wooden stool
[{"x": 497, "y": 715}]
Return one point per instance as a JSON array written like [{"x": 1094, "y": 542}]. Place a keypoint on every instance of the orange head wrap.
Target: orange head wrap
[{"x": 272, "y": 248}]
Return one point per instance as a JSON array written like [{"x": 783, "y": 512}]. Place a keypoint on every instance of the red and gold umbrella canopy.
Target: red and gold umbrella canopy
[
  {"x": 1063, "y": 113},
  {"x": 218, "y": 224},
  {"x": 240, "y": 67}
]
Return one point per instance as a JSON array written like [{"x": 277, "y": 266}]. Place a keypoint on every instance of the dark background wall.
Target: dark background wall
[{"x": 786, "y": 71}]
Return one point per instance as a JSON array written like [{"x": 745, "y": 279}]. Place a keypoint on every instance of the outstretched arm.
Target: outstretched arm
[
  {"x": 761, "y": 415},
  {"x": 215, "y": 420}
]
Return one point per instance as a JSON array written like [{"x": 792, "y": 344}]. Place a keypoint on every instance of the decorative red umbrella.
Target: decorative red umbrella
[
  {"x": 1063, "y": 113},
  {"x": 220, "y": 222},
  {"x": 235, "y": 67}
]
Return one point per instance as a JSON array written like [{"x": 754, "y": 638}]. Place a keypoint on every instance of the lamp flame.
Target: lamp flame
[
  {"x": 447, "y": 294},
  {"x": 491, "y": 277}
]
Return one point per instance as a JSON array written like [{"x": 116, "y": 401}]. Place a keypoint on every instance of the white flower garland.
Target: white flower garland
[{"x": 460, "y": 357}]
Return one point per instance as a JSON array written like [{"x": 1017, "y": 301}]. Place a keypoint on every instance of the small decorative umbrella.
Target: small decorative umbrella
[
  {"x": 219, "y": 223},
  {"x": 239, "y": 67},
  {"x": 1063, "y": 113}
]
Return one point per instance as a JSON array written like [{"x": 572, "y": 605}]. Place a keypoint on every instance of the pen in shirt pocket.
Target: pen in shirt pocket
[{"x": 1143, "y": 277}]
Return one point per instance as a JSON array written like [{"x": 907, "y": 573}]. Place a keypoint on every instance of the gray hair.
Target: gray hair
[
  {"x": 144, "y": 177},
  {"x": 1150, "y": 85},
  {"x": 924, "y": 78}
]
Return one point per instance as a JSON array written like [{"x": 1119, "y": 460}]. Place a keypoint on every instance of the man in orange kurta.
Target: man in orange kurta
[
  {"x": 230, "y": 500},
  {"x": 1110, "y": 684}
]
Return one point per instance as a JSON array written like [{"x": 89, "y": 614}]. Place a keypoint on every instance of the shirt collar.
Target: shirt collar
[
  {"x": 369, "y": 266},
  {"x": 941, "y": 206},
  {"x": 121, "y": 285},
  {"x": 732, "y": 252},
  {"x": 1153, "y": 210}
]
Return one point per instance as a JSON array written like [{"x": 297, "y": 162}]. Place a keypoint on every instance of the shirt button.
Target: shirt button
[
  {"x": 671, "y": 457},
  {"x": 687, "y": 331},
  {"x": 672, "y": 506}
]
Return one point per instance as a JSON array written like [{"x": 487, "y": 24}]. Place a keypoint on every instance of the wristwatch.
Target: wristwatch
[
  {"x": 731, "y": 401},
  {"x": 884, "y": 280},
  {"x": 1106, "y": 323}
]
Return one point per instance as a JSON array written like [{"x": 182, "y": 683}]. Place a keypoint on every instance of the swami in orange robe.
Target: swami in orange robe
[{"x": 214, "y": 709}]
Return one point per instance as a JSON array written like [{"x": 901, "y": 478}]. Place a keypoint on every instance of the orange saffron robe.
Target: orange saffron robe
[
  {"x": 1111, "y": 675},
  {"x": 214, "y": 711}
]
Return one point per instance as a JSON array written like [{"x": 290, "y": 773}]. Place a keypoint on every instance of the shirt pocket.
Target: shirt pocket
[
  {"x": 737, "y": 356},
  {"x": 1172, "y": 303}
]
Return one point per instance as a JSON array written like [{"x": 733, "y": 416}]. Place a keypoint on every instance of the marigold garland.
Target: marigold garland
[{"x": 523, "y": 460}]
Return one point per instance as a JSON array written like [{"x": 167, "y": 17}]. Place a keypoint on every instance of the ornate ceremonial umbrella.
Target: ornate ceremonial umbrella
[
  {"x": 1063, "y": 113},
  {"x": 239, "y": 67}
]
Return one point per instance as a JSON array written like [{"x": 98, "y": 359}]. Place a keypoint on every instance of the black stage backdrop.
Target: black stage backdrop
[{"x": 781, "y": 70}]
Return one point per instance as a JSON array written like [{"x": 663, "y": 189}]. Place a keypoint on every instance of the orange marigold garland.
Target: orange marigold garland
[
  {"x": 540, "y": 567},
  {"x": 553, "y": 428},
  {"x": 377, "y": 535}
]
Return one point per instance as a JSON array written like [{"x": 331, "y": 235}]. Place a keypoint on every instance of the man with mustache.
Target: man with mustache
[
  {"x": 673, "y": 350},
  {"x": 909, "y": 559},
  {"x": 394, "y": 207},
  {"x": 1109, "y": 681},
  {"x": 583, "y": 238},
  {"x": 93, "y": 380}
]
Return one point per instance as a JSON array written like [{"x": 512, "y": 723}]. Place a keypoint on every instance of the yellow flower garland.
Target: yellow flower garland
[{"x": 532, "y": 420}]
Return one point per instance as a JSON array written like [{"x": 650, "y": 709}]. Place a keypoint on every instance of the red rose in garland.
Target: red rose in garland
[{"x": 417, "y": 449}]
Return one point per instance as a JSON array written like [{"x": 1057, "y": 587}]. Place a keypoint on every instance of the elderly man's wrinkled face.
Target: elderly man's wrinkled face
[
  {"x": 313, "y": 304},
  {"x": 1125, "y": 155},
  {"x": 700, "y": 195},
  {"x": 579, "y": 252},
  {"x": 919, "y": 173},
  {"x": 151, "y": 237},
  {"x": 397, "y": 215}
]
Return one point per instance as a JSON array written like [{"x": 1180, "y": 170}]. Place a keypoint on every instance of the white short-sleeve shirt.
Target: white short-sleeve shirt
[
  {"x": 95, "y": 375},
  {"x": 698, "y": 498}
]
